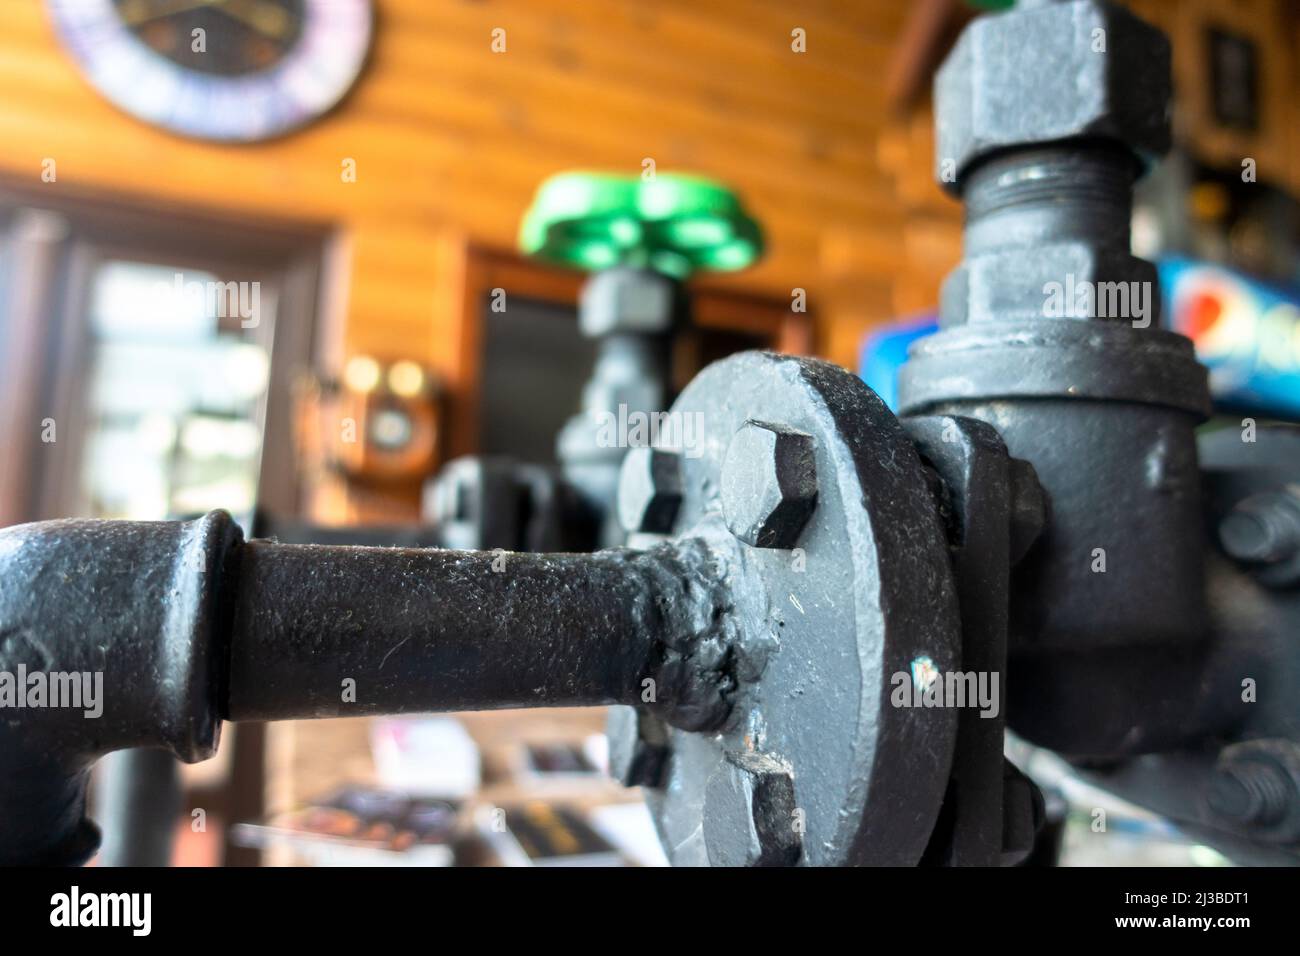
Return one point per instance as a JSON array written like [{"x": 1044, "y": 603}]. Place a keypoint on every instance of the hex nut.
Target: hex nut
[
  {"x": 626, "y": 300},
  {"x": 769, "y": 484},
  {"x": 1010, "y": 285},
  {"x": 649, "y": 490},
  {"x": 1051, "y": 72},
  {"x": 750, "y": 813}
]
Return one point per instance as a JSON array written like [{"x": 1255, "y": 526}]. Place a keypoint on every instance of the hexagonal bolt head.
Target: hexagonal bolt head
[
  {"x": 638, "y": 747},
  {"x": 749, "y": 813},
  {"x": 626, "y": 300},
  {"x": 769, "y": 484},
  {"x": 1051, "y": 72},
  {"x": 649, "y": 490}
]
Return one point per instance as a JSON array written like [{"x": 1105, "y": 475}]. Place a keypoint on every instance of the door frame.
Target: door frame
[{"x": 42, "y": 374}]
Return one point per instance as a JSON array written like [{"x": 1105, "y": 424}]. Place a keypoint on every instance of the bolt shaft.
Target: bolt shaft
[
  {"x": 1049, "y": 194},
  {"x": 1264, "y": 528},
  {"x": 1250, "y": 792}
]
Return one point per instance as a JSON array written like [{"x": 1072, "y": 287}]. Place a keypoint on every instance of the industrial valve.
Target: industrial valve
[
  {"x": 773, "y": 642},
  {"x": 829, "y": 616},
  {"x": 642, "y": 239}
]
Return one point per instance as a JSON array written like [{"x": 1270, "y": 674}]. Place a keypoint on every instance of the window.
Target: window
[{"x": 176, "y": 392}]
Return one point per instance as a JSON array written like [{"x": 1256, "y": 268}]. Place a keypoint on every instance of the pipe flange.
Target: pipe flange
[{"x": 860, "y": 591}]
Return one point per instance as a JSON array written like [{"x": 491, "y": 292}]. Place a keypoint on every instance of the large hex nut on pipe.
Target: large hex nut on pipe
[
  {"x": 1055, "y": 71},
  {"x": 750, "y": 817},
  {"x": 649, "y": 490},
  {"x": 1008, "y": 285},
  {"x": 769, "y": 484}
]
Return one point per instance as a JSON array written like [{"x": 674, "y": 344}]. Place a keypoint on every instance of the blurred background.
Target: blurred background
[{"x": 249, "y": 251}]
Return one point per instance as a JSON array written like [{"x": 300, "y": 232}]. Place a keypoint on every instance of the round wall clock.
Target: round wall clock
[{"x": 229, "y": 70}]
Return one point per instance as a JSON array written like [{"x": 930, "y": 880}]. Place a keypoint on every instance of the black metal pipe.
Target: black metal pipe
[
  {"x": 153, "y": 632},
  {"x": 326, "y": 631}
]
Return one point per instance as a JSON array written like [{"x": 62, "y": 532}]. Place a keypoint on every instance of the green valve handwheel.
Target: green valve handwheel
[{"x": 672, "y": 224}]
